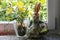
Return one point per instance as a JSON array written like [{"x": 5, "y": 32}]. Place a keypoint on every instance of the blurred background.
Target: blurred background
[{"x": 21, "y": 9}]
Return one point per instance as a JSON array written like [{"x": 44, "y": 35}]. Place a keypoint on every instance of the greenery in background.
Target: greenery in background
[{"x": 20, "y": 9}]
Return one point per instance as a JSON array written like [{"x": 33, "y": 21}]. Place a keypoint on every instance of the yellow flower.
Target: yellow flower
[
  {"x": 20, "y": 4},
  {"x": 30, "y": 16},
  {"x": 42, "y": 1},
  {"x": 8, "y": 18},
  {"x": 22, "y": 9},
  {"x": 8, "y": 10},
  {"x": 29, "y": 13}
]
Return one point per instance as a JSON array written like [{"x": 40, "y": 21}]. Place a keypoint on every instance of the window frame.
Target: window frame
[{"x": 51, "y": 13}]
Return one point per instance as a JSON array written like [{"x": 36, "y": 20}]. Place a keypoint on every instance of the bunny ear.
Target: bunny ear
[{"x": 37, "y": 7}]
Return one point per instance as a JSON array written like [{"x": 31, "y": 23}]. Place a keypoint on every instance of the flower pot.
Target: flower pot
[{"x": 21, "y": 30}]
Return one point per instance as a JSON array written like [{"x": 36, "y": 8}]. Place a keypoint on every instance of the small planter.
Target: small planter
[{"x": 21, "y": 30}]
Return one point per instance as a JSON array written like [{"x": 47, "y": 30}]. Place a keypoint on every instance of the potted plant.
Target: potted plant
[{"x": 18, "y": 13}]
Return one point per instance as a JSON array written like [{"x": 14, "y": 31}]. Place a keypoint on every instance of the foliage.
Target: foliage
[{"x": 20, "y": 9}]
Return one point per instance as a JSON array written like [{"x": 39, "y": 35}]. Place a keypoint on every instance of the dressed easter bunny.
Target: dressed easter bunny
[{"x": 37, "y": 27}]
